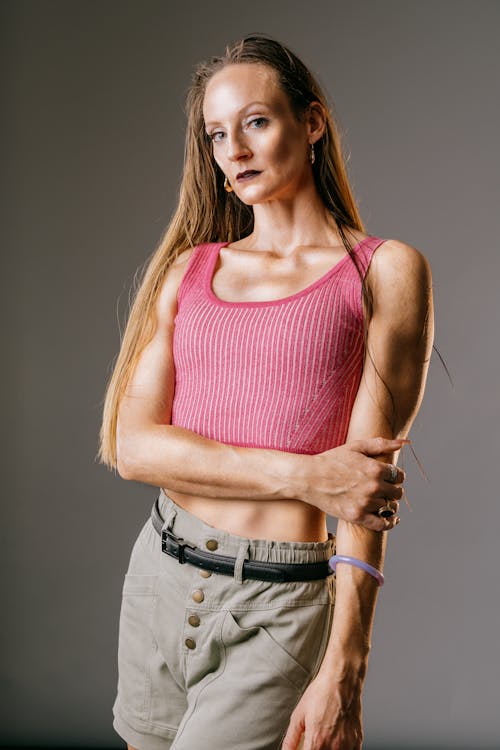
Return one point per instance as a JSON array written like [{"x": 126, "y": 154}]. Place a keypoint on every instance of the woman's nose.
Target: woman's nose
[{"x": 237, "y": 148}]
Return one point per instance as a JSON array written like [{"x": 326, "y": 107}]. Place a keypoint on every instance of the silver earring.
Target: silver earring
[
  {"x": 227, "y": 185},
  {"x": 312, "y": 155}
]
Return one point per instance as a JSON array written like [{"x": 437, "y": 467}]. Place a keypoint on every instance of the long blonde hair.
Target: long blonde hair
[{"x": 207, "y": 213}]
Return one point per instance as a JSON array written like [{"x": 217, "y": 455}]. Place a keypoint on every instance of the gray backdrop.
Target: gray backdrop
[{"x": 92, "y": 136}]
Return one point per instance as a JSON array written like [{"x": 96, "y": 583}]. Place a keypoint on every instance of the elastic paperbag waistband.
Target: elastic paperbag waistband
[{"x": 186, "y": 552}]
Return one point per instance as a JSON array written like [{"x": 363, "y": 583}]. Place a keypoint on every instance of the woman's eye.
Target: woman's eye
[{"x": 258, "y": 122}]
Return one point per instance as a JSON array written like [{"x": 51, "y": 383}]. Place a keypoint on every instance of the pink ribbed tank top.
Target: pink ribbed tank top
[{"x": 279, "y": 374}]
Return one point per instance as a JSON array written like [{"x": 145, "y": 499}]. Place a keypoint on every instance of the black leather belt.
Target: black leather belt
[{"x": 185, "y": 552}]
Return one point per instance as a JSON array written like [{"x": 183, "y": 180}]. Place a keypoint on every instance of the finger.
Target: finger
[
  {"x": 377, "y": 445},
  {"x": 392, "y": 523},
  {"x": 388, "y": 472},
  {"x": 375, "y": 503},
  {"x": 390, "y": 491},
  {"x": 292, "y": 736},
  {"x": 388, "y": 509},
  {"x": 375, "y": 523},
  {"x": 391, "y": 505}
]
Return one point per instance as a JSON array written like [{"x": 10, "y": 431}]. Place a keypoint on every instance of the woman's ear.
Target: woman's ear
[{"x": 316, "y": 120}]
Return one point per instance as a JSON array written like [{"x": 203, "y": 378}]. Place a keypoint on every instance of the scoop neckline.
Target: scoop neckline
[{"x": 266, "y": 303}]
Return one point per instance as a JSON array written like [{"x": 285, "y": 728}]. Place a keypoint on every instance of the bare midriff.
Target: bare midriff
[{"x": 278, "y": 520}]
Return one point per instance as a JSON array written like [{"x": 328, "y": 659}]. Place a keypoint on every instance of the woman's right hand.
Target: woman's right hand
[{"x": 350, "y": 483}]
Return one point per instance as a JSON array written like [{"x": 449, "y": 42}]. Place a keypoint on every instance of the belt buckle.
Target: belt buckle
[{"x": 176, "y": 540}]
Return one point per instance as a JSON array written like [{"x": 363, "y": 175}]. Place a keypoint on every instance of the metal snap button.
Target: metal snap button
[
  {"x": 194, "y": 620},
  {"x": 205, "y": 573},
  {"x": 212, "y": 545},
  {"x": 190, "y": 643},
  {"x": 198, "y": 595}
]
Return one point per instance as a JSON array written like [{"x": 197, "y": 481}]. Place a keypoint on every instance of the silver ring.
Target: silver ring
[
  {"x": 386, "y": 511},
  {"x": 394, "y": 473}
]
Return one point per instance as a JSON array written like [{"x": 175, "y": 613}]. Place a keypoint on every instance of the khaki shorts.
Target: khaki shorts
[{"x": 215, "y": 662}]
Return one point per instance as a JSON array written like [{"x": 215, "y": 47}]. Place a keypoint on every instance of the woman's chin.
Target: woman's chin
[{"x": 251, "y": 195}]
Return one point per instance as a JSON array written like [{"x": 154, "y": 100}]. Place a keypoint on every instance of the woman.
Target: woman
[{"x": 274, "y": 359}]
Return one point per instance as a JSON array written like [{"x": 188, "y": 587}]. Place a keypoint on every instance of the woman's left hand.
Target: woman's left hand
[{"x": 327, "y": 717}]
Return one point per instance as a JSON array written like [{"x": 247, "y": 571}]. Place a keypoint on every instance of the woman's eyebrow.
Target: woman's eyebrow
[{"x": 247, "y": 106}]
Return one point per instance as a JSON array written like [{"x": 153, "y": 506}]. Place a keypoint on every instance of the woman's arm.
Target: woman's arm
[
  {"x": 400, "y": 338},
  {"x": 153, "y": 451}
]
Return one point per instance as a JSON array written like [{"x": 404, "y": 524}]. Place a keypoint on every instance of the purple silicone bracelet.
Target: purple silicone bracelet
[{"x": 358, "y": 564}]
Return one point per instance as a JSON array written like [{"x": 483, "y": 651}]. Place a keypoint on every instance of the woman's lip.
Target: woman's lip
[{"x": 247, "y": 175}]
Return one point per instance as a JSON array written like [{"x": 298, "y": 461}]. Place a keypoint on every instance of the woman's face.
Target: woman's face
[{"x": 253, "y": 130}]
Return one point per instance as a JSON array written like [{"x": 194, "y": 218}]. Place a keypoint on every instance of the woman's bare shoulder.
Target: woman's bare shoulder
[
  {"x": 178, "y": 266},
  {"x": 398, "y": 262},
  {"x": 400, "y": 279},
  {"x": 167, "y": 296},
  {"x": 183, "y": 257}
]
